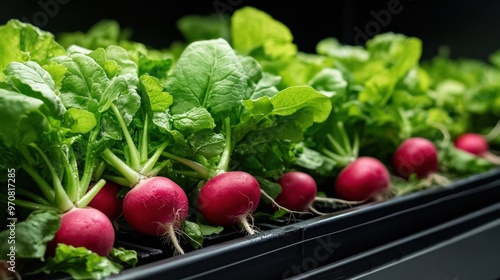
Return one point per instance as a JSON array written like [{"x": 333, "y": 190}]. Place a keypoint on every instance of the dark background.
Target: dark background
[{"x": 469, "y": 28}]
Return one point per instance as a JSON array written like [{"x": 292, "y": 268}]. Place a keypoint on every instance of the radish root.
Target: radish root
[
  {"x": 494, "y": 159},
  {"x": 494, "y": 132},
  {"x": 339, "y": 201},
  {"x": 173, "y": 238},
  {"x": 334, "y": 201},
  {"x": 315, "y": 211},
  {"x": 425, "y": 183},
  {"x": 246, "y": 225},
  {"x": 279, "y": 206}
]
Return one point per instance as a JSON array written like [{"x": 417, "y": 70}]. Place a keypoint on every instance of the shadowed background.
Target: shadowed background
[{"x": 469, "y": 28}]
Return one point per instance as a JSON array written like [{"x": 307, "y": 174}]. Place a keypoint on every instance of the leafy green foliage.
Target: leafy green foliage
[{"x": 237, "y": 95}]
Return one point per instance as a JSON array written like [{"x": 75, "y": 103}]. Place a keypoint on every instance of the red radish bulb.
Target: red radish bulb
[
  {"x": 298, "y": 191},
  {"x": 415, "y": 155},
  {"x": 229, "y": 197},
  {"x": 85, "y": 227},
  {"x": 107, "y": 200},
  {"x": 155, "y": 205},
  {"x": 472, "y": 143},
  {"x": 362, "y": 179}
]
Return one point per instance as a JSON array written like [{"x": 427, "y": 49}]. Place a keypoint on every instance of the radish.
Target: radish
[
  {"x": 107, "y": 200},
  {"x": 156, "y": 206},
  {"x": 85, "y": 227},
  {"x": 417, "y": 156},
  {"x": 226, "y": 197},
  {"x": 363, "y": 179},
  {"x": 81, "y": 226},
  {"x": 229, "y": 198},
  {"x": 298, "y": 191},
  {"x": 477, "y": 145},
  {"x": 472, "y": 143}
]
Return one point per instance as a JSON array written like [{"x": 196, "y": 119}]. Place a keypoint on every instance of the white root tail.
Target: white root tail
[
  {"x": 246, "y": 225},
  {"x": 339, "y": 201},
  {"x": 491, "y": 157},
  {"x": 279, "y": 206},
  {"x": 174, "y": 240},
  {"x": 315, "y": 211},
  {"x": 432, "y": 179}
]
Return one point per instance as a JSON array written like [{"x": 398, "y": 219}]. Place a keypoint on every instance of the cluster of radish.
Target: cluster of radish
[{"x": 158, "y": 206}]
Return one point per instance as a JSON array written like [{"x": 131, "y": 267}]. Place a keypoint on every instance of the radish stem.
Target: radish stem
[
  {"x": 145, "y": 140},
  {"x": 336, "y": 145},
  {"x": 72, "y": 183},
  {"x": 62, "y": 200},
  {"x": 133, "y": 177},
  {"x": 197, "y": 167},
  {"x": 119, "y": 180},
  {"x": 158, "y": 168},
  {"x": 99, "y": 170},
  {"x": 33, "y": 196},
  {"x": 34, "y": 206},
  {"x": 149, "y": 165},
  {"x": 46, "y": 189},
  {"x": 134, "y": 153},
  {"x": 84, "y": 201},
  {"x": 90, "y": 162},
  {"x": 226, "y": 153}
]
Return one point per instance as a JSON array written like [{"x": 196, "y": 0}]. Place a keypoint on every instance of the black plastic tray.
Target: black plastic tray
[
  {"x": 464, "y": 248},
  {"x": 305, "y": 246}
]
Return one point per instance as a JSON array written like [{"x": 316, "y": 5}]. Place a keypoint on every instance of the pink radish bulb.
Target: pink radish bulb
[
  {"x": 154, "y": 205},
  {"x": 415, "y": 155},
  {"x": 229, "y": 197},
  {"x": 472, "y": 143},
  {"x": 85, "y": 227},
  {"x": 362, "y": 179},
  {"x": 107, "y": 200},
  {"x": 298, "y": 191}
]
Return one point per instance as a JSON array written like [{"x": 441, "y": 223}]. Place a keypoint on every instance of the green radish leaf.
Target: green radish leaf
[
  {"x": 159, "y": 100},
  {"x": 122, "y": 255},
  {"x": 81, "y": 263},
  {"x": 32, "y": 235},
  {"x": 292, "y": 99},
  {"x": 207, "y": 230},
  {"x": 208, "y": 74},
  {"x": 21, "y": 42},
  {"x": 192, "y": 121},
  {"x": 252, "y": 29},
  {"x": 193, "y": 232},
  {"x": 31, "y": 79},
  {"x": 82, "y": 121},
  {"x": 23, "y": 120}
]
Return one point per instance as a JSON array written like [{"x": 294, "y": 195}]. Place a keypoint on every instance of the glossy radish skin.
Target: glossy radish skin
[
  {"x": 228, "y": 196},
  {"x": 362, "y": 179},
  {"x": 415, "y": 155},
  {"x": 298, "y": 191},
  {"x": 107, "y": 201},
  {"x": 85, "y": 227},
  {"x": 472, "y": 143},
  {"x": 155, "y": 204}
]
